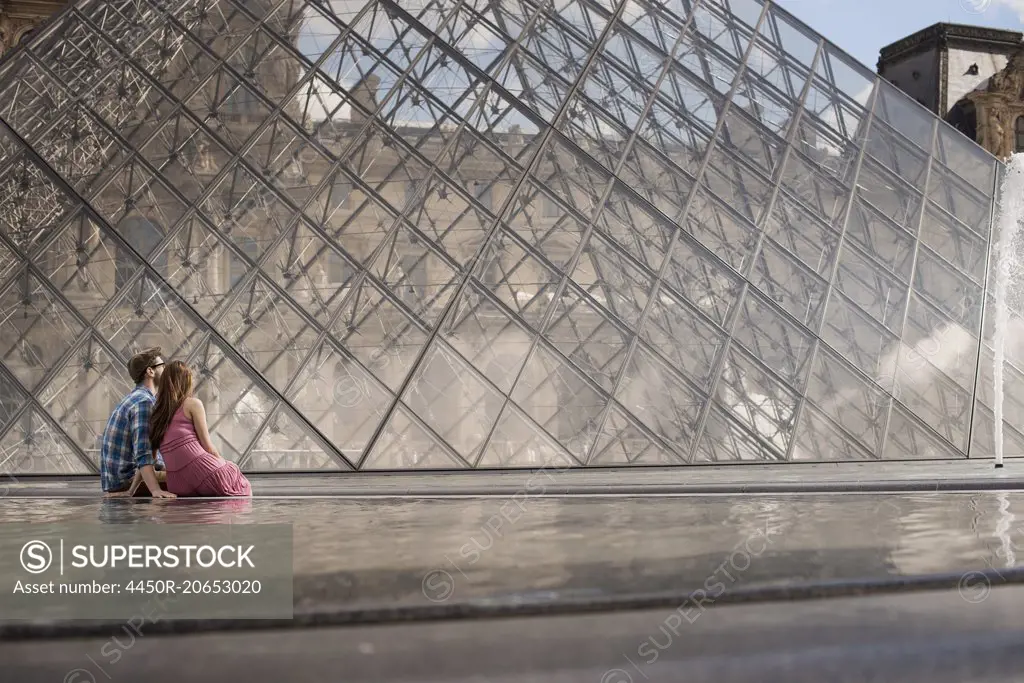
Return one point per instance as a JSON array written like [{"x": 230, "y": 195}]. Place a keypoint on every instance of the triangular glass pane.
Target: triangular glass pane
[
  {"x": 518, "y": 442},
  {"x": 487, "y": 337},
  {"x": 684, "y": 337},
  {"x": 12, "y": 399},
  {"x": 723, "y": 232},
  {"x": 541, "y": 221},
  {"x": 285, "y": 446},
  {"x": 702, "y": 279},
  {"x": 819, "y": 439},
  {"x": 31, "y": 206},
  {"x": 404, "y": 445},
  {"x": 235, "y": 404},
  {"x": 622, "y": 442},
  {"x": 38, "y": 329},
  {"x": 84, "y": 392},
  {"x": 587, "y": 336},
  {"x": 611, "y": 279},
  {"x": 556, "y": 397},
  {"x": 853, "y": 403},
  {"x": 453, "y": 400},
  {"x": 380, "y": 334},
  {"x": 908, "y": 438},
  {"x": 757, "y": 399},
  {"x": 340, "y": 399},
  {"x": 33, "y": 445},
  {"x": 726, "y": 440},
  {"x": 146, "y": 314},
  {"x": 660, "y": 399},
  {"x": 636, "y": 229},
  {"x": 516, "y": 277},
  {"x": 420, "y": 278},
  {"x": 310, "y": 271},
  {"x": 965, "y": 157},
  {"x": 80, "y": 261},
  {"x": 268, "y": 331}
]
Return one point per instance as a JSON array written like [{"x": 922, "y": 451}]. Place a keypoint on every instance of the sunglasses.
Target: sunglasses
[{"x": 157, "y": 365}]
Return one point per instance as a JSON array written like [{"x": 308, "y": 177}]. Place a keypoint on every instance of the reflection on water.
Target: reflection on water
[{"x": 378, "y": 551}]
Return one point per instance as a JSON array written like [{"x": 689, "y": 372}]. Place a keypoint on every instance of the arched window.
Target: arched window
[
  {"x": 143, "y": 235},
  {"x": 1018, "y": 129}
]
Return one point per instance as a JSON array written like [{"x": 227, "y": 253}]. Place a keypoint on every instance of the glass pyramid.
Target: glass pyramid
[{"x": 453, "y": 234}]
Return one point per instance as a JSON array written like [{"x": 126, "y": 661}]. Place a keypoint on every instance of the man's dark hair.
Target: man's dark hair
[{"x": 142, "y": 361}]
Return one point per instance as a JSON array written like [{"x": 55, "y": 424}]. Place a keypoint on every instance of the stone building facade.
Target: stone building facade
[
  {"x": 971, "y": 76},
  {"x": 19, "y": 18}
]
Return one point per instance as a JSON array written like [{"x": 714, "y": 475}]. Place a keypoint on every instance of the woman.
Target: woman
[{"x": 177, "y": 428}]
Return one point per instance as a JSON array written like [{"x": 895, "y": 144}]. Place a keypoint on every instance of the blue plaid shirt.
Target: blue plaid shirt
[{"x": 125, "y": 445}]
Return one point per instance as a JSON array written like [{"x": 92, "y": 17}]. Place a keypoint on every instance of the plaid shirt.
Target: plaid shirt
[{"x": 125, "y": 445}]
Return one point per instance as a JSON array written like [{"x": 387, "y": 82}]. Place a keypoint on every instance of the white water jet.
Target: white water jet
[{"x": 1011, "y": 216}]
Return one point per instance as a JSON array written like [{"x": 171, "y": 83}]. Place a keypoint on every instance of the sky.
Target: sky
[{"x": 863, "y": 27}]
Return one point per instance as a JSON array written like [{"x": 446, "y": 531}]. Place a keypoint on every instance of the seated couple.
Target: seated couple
[{"x": 158, "y": 436}]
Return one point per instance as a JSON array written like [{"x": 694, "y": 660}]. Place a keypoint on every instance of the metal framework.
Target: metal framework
[{"x": 486, "y": 233}]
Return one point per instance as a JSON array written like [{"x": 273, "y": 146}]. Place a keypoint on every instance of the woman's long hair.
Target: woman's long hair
[{"x": 175, "y": 387}]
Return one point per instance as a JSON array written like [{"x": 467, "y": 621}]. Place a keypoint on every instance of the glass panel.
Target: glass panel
[
  {"x": 285, "y": 445},
  {"x": 868, "y": 286},
  {"x": 912, "y": 120},
  {"x": 343, "y": 401},
  {"x": 662, "y": 401},
  {"x": 31, "y": 206},
  {"x": 485, "y": 336},
  {"x": 909, "y": 440},
  {"x": 857, "y": 406},
  {"x": 892, "y": 246},
  {"x": 799, "y": 232},
  {"x": 970, "y": 207},
  {"x": 689, "y": 342},
  {"x": 724, "y": 440},
  {"x": 518, "y": 442},
  {"x": 794, "y": 288},
  {"x": 966, "y": 158},
  {"x": 721, "y": 231},
  {"x": 886, "y": 193},
  {"x": 775, "y": 341},
  {"x": 819, "y": 439},
  {"x": 38, "y": 329},
  {"x": 83, "y": 393},
  {"x": 703, "y": 280},
  {"x": 900, "y": 157},
  {"x": 268, "y": 332},
  {"x": 954, "y": 242},
  {"x": 35, "y": 446},
  {"x": 860, "y": 339},
  {"x": 453, "y": 401},
  {"x": 612, "y": 280},
  {"x": 555, "y": 396},
  {"x": 236, "y": 405},
  {"x": 758, "y": 400},
  {"x": 588, "y": 337},
  {"x": 404, "y": 444},
  {"x": 623, "y": 442}
]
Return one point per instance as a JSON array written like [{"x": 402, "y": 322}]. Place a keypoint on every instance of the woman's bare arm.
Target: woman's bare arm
[{"x": 197, "y": 412}]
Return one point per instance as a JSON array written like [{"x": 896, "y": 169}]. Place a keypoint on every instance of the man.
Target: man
[{"x": 126, "y": 458}]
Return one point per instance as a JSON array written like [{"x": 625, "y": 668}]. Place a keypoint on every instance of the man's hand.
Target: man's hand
[{"x": 160, "y": 493}]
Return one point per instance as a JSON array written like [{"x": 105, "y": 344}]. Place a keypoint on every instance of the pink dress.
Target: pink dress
[{"x": 191, "y": 471}]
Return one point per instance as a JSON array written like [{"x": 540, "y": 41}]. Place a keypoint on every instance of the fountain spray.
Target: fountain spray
[{"x": 1011, "y": 215}]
